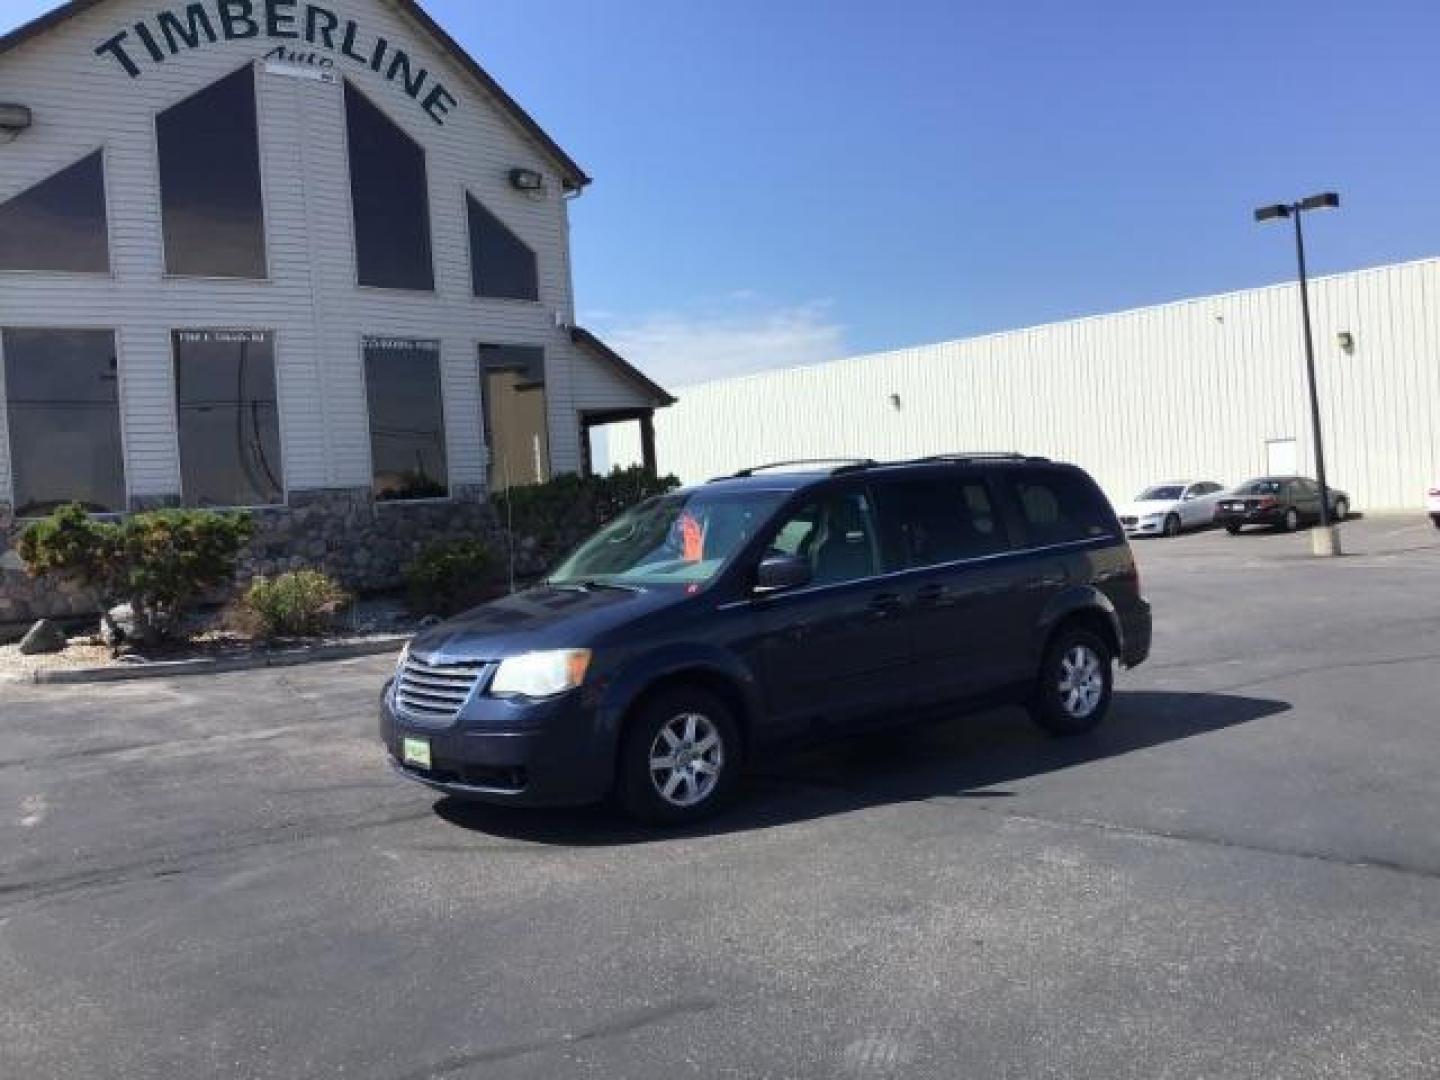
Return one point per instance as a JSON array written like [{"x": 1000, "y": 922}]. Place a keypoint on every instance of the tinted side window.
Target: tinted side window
[
  {"x": 836, "y": 533},
  {"x": 389, "y": 190},
  {"x": 210, "y": 199},
  {"x": 63, "y": 403},
  {"x": 59, "y": 224},
  {"x": 940, "y": 520},
  {"x": 229, "y": 418},
  {"x": 1059, "y": 506}
]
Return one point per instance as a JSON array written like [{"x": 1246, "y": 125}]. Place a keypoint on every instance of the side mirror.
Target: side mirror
[{"x": 779, "y": 572}]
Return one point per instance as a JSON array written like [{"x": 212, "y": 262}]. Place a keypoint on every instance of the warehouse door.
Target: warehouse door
[{"x": 1282, "y": 457}]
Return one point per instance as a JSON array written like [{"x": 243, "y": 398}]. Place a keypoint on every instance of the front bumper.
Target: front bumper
[
  {"x": 1141, "y": 527},
  {"x": 1273, "y": 516},
  {"x": 557, "y": 752}
]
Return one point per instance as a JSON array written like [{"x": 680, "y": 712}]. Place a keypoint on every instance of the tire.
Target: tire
[
  {"x": 1172, "y": 524},
  {"x": 1291, "y": 521},
  {"x": 1062, "y": 705},
  {"x": 1342, "y": 510},
  {"x": 679, "y": 721},
  {"x": 1232, "y": 528}
]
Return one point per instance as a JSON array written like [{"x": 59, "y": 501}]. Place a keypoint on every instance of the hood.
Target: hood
[
  {"x": 539, "y": 618},
  {"x": 1147, "y": 507}
]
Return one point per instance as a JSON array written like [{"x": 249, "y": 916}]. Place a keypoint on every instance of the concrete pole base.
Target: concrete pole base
[{"x": 1325, "y": 542}]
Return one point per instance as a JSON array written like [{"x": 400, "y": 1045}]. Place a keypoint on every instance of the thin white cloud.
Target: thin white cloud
[{"x": 740, "y": 335}]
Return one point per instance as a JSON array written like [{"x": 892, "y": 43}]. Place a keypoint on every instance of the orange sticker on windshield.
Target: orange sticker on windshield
[{"x": 692, "y": 540}]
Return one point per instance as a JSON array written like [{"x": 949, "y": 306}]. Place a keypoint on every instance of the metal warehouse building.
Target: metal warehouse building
[
  {"x": 1211, "y": 388},
  {"x": 307, "y": 258}
]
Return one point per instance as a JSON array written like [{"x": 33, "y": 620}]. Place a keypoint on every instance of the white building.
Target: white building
[
  {"x": 279, "y": 254},
  {"x": 1207, "y": 388}
]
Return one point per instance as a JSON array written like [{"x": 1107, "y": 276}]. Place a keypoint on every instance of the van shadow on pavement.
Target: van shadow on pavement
[{"x": 967, "y": 757}]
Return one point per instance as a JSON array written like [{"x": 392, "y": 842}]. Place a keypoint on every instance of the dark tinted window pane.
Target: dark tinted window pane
[
  {"x": 390, "y": 197},
  {"x": 407, "y": 425},
  {"x": 500, "y": 262},
  {"x": 229, "y": 418},
  {"x": 210, "y": 182},
  {"x": 59, "y": 224},
  {"x": 63, "y": 403},
  {"x": 517, "y": 428},
  {"x": 836, "y": 534},
  {"x": 928, "y": 522},
  {"x": 1061, "y": 506}
]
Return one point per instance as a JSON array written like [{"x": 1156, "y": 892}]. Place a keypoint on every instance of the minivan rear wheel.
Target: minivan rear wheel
[
  {"x": 679, "y": 758},
  {"x": 1076, "y": 680}
]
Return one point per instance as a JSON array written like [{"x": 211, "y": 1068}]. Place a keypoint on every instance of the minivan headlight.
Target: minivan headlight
[{"x": 540, "y": 674}]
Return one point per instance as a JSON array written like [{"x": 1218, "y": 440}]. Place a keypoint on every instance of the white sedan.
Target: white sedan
[{"x": 1166, "y": 509}]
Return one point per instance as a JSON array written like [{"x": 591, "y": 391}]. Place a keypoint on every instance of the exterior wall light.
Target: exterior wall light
[
  {"x": 895, "y": 402},
  {"x": 1346, "y": 340},
  {"x": 13, "y": 120},
  {"x": 527, "y": 180}
]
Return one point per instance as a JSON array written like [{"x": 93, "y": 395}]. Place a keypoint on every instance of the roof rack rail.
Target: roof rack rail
[
  {"x": 837, "y": 465},
  {"x": 982, "y": 455}
]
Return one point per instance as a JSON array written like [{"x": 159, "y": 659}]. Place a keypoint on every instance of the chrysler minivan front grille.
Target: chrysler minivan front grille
[{"x": 435, "y": 692}]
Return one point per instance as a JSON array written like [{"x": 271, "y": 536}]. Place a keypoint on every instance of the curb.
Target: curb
[{"x": 174, "y": 669}]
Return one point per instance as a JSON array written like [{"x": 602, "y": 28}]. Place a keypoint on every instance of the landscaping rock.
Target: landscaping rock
[
  {"x": 44, "y": 637},
  {"x": 117, "y": 626}
]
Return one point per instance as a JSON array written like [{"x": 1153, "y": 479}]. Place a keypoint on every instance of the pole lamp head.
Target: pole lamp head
[
  {"x": 1270, "y": 213},
  {"x": 1328, "y": 200}
]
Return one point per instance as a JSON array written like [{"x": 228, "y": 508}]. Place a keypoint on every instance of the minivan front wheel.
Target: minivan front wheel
[
  {"x": 680, "y": 758},
  {"x": 1076, "y": 680}
]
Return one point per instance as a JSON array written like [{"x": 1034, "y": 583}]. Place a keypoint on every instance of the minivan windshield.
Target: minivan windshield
[
  {"x": 682, "y": 538},
  {"x": 1167, "y": 493}
]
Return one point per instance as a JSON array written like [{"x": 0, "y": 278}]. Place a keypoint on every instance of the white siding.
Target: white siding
[
  {"x": 1190, "y": 389},
  {"x": 311, "y": 300}
]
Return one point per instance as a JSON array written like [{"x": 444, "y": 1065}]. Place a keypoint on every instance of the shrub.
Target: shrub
[
  {"x": 302, "y": 603},
  {"x": 562, "y": 512},
  {"x": 162, "y": 563},
  {"x": 452, "y": 576}
]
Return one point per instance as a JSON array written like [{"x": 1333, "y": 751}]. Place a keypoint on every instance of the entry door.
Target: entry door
[
  {"x": 837, "y": 650},
  {"x": 1282, "y": 457}
]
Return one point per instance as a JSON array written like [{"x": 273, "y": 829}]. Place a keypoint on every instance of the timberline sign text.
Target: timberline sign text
[{"x": 167, "y": 33}]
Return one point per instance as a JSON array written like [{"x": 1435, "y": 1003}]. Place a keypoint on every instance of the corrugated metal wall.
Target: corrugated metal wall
[{"x": 1190, "y": 389}]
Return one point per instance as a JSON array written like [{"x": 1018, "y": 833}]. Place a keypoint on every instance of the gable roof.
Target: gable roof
[
  {"x": 588, "y": 341},
  {"x": 573, "y": 175}
]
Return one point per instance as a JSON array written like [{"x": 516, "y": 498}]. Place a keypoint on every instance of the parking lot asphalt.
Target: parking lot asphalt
[{"x": 1239, "y": 876}]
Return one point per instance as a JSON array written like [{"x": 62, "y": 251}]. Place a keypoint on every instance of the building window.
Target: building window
[
  {"x": 501, "y": 264},
  {"x": 517, "y": 429},
  {"x": 229, "y": 418},
  {"x": 59, "y": 224},
  {"x": 63, "y": 404},
  {"x": 407, "y": 423},
  {"x": 389, "y": 193},
  {"x": 211, "y": 206}
]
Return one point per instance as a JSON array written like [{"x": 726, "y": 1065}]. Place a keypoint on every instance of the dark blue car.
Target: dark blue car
[{"x": 706, "y": 627}]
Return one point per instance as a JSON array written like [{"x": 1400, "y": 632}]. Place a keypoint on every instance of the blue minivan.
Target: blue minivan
[{"x": 707, "y": 627}]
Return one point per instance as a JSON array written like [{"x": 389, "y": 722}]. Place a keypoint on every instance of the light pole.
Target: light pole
[{"x": 1327, "y": 200}]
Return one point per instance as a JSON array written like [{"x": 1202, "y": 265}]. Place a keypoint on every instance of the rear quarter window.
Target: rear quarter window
[{"x": 1060, "y": 507}]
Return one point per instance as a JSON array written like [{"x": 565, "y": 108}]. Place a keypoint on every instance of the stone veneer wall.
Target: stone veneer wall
[{"x": 345, "y": 532}]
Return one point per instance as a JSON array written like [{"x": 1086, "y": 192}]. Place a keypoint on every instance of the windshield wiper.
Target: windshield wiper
[{"x": 594, "y": 585}]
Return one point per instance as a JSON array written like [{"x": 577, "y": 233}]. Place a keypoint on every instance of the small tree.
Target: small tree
[{"x": 161, "y": 563}]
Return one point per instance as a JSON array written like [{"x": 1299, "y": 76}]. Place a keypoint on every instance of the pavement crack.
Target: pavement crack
[
  {"x": 1211, "y": 840},
  {"x": 623, "y": 1024}
]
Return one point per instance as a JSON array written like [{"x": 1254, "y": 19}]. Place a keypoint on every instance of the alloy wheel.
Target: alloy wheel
[
  {"x": 1082, "y": 682},
  {"x": 686, "y": 759}
]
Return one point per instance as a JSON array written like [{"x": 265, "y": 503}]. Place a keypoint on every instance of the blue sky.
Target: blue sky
[{"x": 783, "y": 181}]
